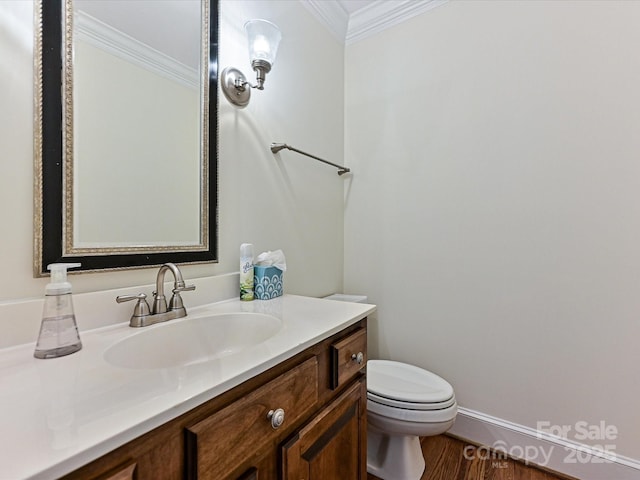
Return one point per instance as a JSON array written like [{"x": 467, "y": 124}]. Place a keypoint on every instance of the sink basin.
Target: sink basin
[{"x": 185, "y": 342}]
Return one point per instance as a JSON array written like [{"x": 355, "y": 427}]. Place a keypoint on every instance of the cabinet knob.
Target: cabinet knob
[
  {"x": 276, "y": 417},
  {"x": 358, "y": 358}
]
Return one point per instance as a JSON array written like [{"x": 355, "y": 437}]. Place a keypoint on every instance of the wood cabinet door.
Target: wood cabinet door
[{"x": 332, "y": 446}]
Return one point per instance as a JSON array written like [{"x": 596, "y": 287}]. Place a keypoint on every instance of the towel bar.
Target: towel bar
[{"x": 276, "y": 147}]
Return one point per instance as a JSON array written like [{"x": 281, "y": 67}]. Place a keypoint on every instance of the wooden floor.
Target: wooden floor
[{"x": 447, "y": 459}]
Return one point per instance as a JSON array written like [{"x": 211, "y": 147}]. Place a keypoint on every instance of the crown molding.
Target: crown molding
[
  {"x": 381, "y": 14},
  {"x": 374, "y": 18},
  {"x": 100, "y": 35},
  {"x": 331, "y": 14}
]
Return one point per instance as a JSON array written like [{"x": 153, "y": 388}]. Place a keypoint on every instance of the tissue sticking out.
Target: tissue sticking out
[{"x": 272, "y": 259}]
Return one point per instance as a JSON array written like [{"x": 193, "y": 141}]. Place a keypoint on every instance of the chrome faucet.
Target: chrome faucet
[{"x": 144, "y": 316}]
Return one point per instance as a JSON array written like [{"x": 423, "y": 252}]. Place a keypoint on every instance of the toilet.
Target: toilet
[{"x": 404, "y": 402}]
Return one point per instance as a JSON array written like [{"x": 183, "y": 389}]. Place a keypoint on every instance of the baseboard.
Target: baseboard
[{"x": 539, "y": 448}]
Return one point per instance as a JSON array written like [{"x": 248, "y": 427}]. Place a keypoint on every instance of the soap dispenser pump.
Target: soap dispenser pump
[{"x": 58, "y": 331}]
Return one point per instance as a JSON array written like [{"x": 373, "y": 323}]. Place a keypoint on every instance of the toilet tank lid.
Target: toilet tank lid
[
  {"x": 404, "y": 382},
  {"x": 341, "y": 297}
]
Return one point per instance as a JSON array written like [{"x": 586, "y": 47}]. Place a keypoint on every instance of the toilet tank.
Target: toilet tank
[{"x": 341, "y": 297}]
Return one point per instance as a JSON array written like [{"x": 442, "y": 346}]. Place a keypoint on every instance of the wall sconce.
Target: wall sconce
[{"x": 264, "y": 38}]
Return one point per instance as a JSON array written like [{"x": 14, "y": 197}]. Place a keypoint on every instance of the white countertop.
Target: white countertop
[{"x": 59, "y": 414}]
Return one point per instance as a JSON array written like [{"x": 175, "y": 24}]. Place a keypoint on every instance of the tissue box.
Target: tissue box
[{"x": 267, "y": 282}]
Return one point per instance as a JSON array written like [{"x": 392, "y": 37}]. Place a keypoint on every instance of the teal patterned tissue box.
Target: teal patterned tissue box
[{"x": 267, "y": 282}]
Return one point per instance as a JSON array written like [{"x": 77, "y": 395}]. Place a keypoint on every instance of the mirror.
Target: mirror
[{"x": 126, "y": 133}]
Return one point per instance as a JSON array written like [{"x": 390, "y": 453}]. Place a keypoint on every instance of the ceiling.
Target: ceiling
[{"x": 354, "y": 20}]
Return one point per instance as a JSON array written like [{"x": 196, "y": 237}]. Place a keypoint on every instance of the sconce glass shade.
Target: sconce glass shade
[{"x": 264, "y": 38}]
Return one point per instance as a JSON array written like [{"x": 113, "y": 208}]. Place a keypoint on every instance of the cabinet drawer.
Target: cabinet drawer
[
  {"x": 220, "y": 444},
  {"x": 348, "y": 357}
]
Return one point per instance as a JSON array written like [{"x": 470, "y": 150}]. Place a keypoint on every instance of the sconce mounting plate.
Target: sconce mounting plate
[{"x": 235, "y": 87}]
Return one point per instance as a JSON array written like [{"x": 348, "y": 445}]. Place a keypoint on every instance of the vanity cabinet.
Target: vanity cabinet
[{"x": 304, "y": 418}]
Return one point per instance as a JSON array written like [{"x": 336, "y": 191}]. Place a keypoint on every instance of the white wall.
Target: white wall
[
  {"x": 289, "y": 203},
  {"x": 494, "y": 214}
]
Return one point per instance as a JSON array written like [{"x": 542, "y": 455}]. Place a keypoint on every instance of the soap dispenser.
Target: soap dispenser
[{"x": 58, "y": 331}]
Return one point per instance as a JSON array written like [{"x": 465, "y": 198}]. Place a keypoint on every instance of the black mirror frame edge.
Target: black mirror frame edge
[{"x": 48, "y": 242}]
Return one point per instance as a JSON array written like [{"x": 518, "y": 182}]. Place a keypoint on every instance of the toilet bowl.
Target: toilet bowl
[{"x": 404, "y": 402}]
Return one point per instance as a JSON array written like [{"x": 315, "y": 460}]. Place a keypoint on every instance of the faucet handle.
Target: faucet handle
[
  {"x": 142, "y": 307},
  {"x": 184, "y": 288}
]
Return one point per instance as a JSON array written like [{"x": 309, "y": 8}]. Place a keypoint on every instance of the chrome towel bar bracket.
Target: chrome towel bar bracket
[{"x": 276, "y": 147}]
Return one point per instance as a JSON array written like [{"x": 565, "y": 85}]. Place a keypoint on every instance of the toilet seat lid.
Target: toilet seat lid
[{"x": 407, "y": 383}]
